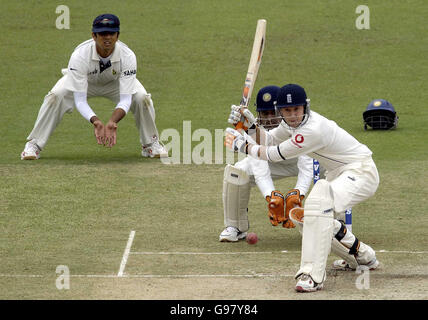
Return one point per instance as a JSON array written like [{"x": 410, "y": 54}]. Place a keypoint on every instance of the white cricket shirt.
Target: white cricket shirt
[
  {"x": 84, "y": 68},
  {"x": 319, "y": 138}
]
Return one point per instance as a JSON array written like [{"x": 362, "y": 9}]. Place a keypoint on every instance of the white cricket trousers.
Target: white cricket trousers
[
  {"x": 344, "y": 188},
  {"x": 61, "y": 100},
  {"x": 353, "y": 184}
]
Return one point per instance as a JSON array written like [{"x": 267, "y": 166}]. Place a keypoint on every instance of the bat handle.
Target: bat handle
[{"x": 239, "y": 126}]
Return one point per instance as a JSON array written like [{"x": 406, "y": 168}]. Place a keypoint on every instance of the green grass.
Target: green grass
[{"x": 77, "y": 205}]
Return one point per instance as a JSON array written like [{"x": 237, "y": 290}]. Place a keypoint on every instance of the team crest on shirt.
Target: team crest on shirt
[{"x": 114, "y": 72}]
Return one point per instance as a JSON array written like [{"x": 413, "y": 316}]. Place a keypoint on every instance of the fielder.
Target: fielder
[
  {"x": 239, "y": 178},
  {"x": 351, "y": 178},
  {"x": 104, "y": 67}
]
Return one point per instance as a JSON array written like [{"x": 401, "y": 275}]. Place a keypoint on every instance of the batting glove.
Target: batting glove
[
  {"x": 235, "y": 141},
  {"x": 239, "y": 114}
]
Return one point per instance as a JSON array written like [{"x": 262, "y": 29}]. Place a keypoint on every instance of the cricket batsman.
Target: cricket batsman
[
  {"x": 351, "y": 178},
  {"x": 100, "y": 67},
  {"x": 243, "y": 175}
]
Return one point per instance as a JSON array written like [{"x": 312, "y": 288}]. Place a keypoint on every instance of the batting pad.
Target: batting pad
[
  {"x": 236, "y": 195},
  {"x": 317, "y": 231}
]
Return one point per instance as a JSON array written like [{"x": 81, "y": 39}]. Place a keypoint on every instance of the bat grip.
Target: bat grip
[{"x": 239, "y": 126}]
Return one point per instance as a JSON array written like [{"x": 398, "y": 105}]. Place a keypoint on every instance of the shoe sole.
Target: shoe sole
[
  {"x": 29, "y": 157},
  {"x": 157, "y": 156},
  {"x": 372, "y": 267},
  {"x": 228, "y": 240},
  {"x": 303, "y": 290},
  {"x": 240, "y": 237}
]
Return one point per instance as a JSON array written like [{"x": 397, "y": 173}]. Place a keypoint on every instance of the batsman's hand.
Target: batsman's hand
[
  {"x": 240, "y": 114},
  {"x": 99, "y": 131},
  {"x": 110, "y": 134},
  {"x": 276, "y": 206},
  {"x": 234, "y": 140}
]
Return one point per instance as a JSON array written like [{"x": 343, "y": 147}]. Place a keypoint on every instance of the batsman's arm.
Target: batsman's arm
[
  {"x": 236, "y": 142},
  {"x": 305, "y": 175}
]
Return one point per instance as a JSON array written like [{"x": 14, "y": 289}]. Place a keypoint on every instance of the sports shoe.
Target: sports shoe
[
  {"x": 154, "y": 150},
  {"x": 31, "y": 151},
  {"x": 231, "y": 234},
  {"x": 343, "y": 265},
  {"x": 306, "y": 284}
]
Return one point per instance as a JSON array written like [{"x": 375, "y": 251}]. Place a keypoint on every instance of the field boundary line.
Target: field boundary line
[{"x": 126, "y": 254}]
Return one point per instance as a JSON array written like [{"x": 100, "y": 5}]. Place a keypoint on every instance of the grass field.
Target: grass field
[{"x": 78, "y": 205}]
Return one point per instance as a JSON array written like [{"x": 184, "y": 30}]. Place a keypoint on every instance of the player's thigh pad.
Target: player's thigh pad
[
  {"x": 236, "y": 195},
  {"x": 317, "y": 231},
  {"x": 353, "y": 187}
]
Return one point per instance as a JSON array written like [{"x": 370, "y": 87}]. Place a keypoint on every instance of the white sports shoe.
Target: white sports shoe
[
  {"x": 31, "y": 151},
  {"x": 154, "y": 150},
  {"x": 232, "y": 234},
  {"x": 306, "y": 284},
  {"x": 343, "y": 265}
]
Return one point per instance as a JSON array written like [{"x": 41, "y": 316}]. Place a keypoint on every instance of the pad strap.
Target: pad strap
[
  {"x": 355, "y": 247},
  {"x": 341, "y": 233}
]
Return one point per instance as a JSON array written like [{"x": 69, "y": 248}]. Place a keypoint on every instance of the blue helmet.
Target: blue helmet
[
  {"x": 380, "y": 115},
  {"x": 293, "y": 95},
  {"x": 266, "y": 98},
  {"x": 265, "y": 107}
]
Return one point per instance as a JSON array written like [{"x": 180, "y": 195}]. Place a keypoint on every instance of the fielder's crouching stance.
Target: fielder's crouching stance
[
  {"x": 351, "y": 178},
  {"x": 239, "y": 178},
  {"x": 100, "y": 67}
]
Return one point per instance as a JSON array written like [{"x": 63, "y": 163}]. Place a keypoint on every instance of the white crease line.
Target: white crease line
[
  {"x": 188, "y": 276},
  {"x": 209, "y": 276},
  {"x": 21, "y": 276},
  {"x": 411, "y": 252},
  {"x": 199, "y": 253},
  {"x": 126, "y": 254},
  {"x": 155, "y": 276},
  {"x": 255, "y": 252}
]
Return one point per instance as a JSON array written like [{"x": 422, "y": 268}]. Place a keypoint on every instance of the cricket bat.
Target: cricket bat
[{"x": 253, "y": 67}]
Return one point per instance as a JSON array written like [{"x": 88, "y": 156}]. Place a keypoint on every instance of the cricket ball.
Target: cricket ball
[{"x": 252, "y": 238}]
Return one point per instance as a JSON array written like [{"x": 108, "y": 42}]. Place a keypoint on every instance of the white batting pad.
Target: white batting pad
[
  {"x": 317, "y": 231},
  {"x": 236, "y": 195}
]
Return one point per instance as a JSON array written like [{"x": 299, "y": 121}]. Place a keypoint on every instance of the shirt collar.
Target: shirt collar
[{"x": 115, "y": 57}]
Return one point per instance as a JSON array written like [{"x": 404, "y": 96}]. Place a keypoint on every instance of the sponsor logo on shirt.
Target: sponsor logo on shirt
[
  {"x": 129, "y": 72},
  {"x": 93, "y": 72},
  {"x": 298, "y": 139}
]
